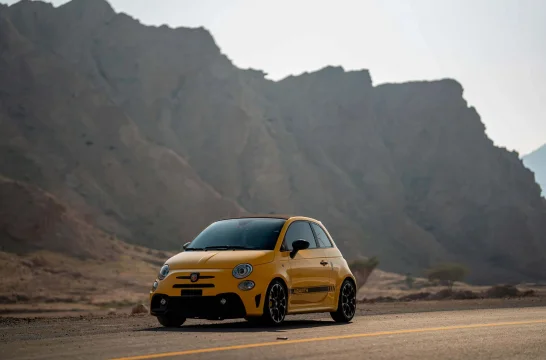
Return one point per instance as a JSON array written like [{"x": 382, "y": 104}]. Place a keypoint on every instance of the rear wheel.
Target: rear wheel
[
  {"x": 346, "y": 306},
  {"x": 276, "y": 303},
  {"x": 171, "y": 320}
]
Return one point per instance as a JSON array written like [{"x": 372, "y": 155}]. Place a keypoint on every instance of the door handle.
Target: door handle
[{"x": 324, "y": 263}]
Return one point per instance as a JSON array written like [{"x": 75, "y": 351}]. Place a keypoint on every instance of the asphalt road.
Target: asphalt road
[{"x": 514, "y": 333}]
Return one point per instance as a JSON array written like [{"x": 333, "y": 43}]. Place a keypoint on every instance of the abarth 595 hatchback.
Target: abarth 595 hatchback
[{"x": 260, "y": 268}]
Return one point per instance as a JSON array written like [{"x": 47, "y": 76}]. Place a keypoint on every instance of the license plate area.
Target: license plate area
[{"x": 191, "y": 292}]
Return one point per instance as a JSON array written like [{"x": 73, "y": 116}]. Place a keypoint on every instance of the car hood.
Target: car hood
[{"x": 219, "y": 259}]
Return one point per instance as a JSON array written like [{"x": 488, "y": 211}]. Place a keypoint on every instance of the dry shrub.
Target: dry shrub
[
  {"x": 464, "y": 295},
  {"x": 501, "y": 291},
  {"x": 139, "y": 309},
  {"x": 363, "y": 268},
  {"x": 506, "y": 291},
  {"x": 447, "y": 273}
]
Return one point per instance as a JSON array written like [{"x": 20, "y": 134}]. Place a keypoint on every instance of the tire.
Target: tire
[
  {"x": 275, "y": 304},
  {"x": 171, "y": 321},
  {"x": 346, "y": 304}
]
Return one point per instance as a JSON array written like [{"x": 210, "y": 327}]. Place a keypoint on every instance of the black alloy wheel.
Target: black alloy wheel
[
  {"x": 346, "y": 307},
  {"x": 276, "y": 303}
]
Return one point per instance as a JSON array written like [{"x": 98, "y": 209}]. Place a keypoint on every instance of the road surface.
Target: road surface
[{"x": 513, "y": 333}]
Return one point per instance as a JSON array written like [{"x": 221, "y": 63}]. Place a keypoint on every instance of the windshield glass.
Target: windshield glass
[{"x": 239, "y": 234}]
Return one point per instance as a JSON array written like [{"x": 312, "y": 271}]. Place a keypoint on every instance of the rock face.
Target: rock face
[
  {"x": 536, "y": 161},
  {"x": 152, "y": 133}
]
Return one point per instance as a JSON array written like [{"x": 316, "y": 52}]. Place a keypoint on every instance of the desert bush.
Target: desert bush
[
  {"x": 409, "y": 280},
  {"x": 441, "y": 295},
  {"x": 364, "y": 264},
  {"x": 363, "y": 268},
  {"x": 501, "y": 291},
  {"x": 447, "y": 273},
  {"x": 505, "y": 291},
  {"x": 464, "y": 295},
  {"x": 528, "y": 293},
  {"x": 139, "y": 309}
]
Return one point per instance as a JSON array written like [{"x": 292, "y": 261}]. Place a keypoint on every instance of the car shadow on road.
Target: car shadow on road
[{"x": 244, "y": 327}]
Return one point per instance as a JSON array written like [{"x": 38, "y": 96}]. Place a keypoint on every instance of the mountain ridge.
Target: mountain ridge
[
  {"x": 536, "y": 161},
  {"x": 153, "y": 133}
]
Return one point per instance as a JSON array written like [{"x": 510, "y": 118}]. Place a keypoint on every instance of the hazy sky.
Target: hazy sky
[{"x": 495, "y": 48}]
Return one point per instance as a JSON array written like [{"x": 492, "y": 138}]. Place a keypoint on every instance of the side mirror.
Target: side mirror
[
  {"x": 297, "y": 246},
  {"x": 186, "y": 245}
]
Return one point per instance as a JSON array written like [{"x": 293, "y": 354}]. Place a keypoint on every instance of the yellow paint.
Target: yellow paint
[
  {"x": 327, "y": 338},
  {"x": 303, "y": 271}
]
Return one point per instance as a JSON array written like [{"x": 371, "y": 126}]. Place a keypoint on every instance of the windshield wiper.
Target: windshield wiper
[
  {"x": 229, "y": 247},
  {"x": 194, "y": 249}
]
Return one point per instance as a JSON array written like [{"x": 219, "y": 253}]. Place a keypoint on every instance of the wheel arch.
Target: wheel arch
[
  {"x": 283, "y": 282},
  {"x": 351, "y": 279}
]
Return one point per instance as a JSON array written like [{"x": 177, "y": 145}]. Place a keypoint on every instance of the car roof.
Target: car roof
[{"x": 273, "y": 216}]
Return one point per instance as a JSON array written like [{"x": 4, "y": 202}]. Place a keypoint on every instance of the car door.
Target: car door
[
  {"x": 330, "y": 255},
  {"x": 309, "y": 279}
]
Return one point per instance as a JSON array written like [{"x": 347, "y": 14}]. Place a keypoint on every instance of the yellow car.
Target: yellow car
[{"x": 260, "y": 268}]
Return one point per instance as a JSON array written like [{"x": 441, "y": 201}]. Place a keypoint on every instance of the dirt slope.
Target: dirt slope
[{"x": 49, "y": 255}]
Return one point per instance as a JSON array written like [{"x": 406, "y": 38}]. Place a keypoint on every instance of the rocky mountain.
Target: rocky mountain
[
  {"x": 151, "y": 133},
  {"x": 536, "y": 161}
]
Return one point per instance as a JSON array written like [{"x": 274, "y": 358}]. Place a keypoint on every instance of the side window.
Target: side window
[
  {"x": 299, "y": 230},
  {"x": 322, "y": 238}
]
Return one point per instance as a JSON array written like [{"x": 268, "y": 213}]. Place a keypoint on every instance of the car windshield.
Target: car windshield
[{"x": 239, "y": 234}]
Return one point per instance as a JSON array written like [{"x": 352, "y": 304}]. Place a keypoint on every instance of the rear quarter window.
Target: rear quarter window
[{"x": 322, "y": 238}]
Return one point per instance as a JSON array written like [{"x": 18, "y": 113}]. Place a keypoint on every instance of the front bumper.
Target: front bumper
[
  {"x": 214, "y": 296},
  {"x": 217, "y": 307}
]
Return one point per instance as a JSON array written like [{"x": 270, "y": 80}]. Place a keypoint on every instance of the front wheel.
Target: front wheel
[
  {"x": 171, "y": 321},
  {"x": 276, "y": 303},
  {"x": 346, "y": 306}
]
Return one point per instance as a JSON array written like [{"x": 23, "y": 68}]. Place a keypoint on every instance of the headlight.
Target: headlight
[
  {"x": 241, "y": 271},
  {"x": 246, "y": 285},
  {"x": 154, "y": 286},
  {"x": 163, "y": 272}
]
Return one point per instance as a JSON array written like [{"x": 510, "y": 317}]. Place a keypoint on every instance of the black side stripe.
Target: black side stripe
[{"x": 313, "y": 289}]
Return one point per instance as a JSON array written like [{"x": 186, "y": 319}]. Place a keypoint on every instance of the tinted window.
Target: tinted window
[
  {"x": 299, "y": 230},
  {"x": 322, "y": 238},
  {"x": 251, "y": 233}
]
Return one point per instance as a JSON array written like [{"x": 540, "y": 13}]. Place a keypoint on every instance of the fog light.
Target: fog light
[
  {"x": 163, "y": 302},
  {"x": 223, "y": 301},
  {"x": 246, "y": 285},
  {"x": 155, "y": 285}
]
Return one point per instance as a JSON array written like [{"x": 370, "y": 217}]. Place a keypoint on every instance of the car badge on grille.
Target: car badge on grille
[{"x": 194, "y": 277}]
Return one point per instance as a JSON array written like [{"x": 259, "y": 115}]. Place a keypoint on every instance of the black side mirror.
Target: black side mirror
[
  {"x": 297, "y": 246},
  {"x": 186, "y": 245}
]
